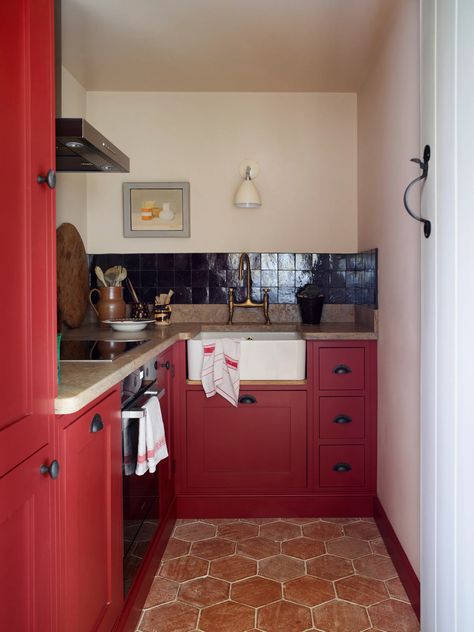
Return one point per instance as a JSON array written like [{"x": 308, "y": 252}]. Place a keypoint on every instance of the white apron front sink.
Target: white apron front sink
[{"x": 263, "y": 355}]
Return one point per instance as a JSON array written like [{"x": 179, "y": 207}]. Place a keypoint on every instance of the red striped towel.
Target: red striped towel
[
  {"x": 151, "y": 438},
  {"x": 220, "y": 368}
]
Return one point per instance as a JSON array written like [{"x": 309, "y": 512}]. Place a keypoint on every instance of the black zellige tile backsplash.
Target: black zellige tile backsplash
[{"x": 206, "y": 277}]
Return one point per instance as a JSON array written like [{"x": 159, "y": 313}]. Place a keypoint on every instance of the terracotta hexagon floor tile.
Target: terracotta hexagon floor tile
[
  {"x": 228, "y": 617},
  {"x": 182, "y": 569},
  {"x": 362, "y": 530},
  {"x": 280, "y": 531},
  {"x": 323, "y": 531},
  {"x": 213, "y": 548},
  {"x": 340, "y": 616},
  {"x": 256, "y": 591},
  {"x": 308, "y": 591},
  {"x": 395, "y": 588},
  {"x": 258, "y": 548},
  {"x": 301, "y": 521},
  {"x": 195, "y": 531},
  {"x": 237, "y": 531},
  {"x": 175, "y": 548},
  {"x": 171, "y": 617},
  {"x": 376, "y": 566},
  {"x": 329, "y": 567},
  {"x": 204, "y": 591},
  {"x": 394, "y": 616},
  {"x": 259, "y": 521},
  {"x": 233, "y": 568},
  {"x": 350, "y": 548},
  {"x": 378, "y": 546},
  {"x": 281, "y": 568},
  {"x": 303, "y": 548},
  {"x": 161, "y": 591},
  {"x": 364, "y": 591},
  {"x": 341, "y": 520},
  {"x": 283, "y": 616},
  {"x": 217, "y": 521}
]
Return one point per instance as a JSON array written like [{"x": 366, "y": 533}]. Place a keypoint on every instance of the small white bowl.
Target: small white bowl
[{"x": 126, "y": 324}]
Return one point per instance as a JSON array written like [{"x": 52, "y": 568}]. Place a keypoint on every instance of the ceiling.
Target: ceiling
[{"x": 222, "y": 45}]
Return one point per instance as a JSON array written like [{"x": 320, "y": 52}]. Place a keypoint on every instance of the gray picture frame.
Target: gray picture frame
[{"x": 175, "y": 193}]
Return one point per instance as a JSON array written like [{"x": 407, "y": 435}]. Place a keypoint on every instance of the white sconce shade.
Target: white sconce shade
[{"x": 247, "y": 195}]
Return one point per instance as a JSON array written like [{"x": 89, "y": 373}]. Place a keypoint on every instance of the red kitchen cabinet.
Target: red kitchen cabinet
[
  {"x": 26, "y": 579},
  {"x": 260, "y": 445},
  {"x": 91, "y": 580}
]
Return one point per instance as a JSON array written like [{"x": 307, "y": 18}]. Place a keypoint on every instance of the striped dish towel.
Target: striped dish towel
[
  {"x": 220, "y": 368},
  {"x": 151, "y": 438}
]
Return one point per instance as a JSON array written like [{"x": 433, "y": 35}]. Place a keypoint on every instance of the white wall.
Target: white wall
[
  {"x": 71, "y": 188},
  {"x": 388, "y": 129},
  {"x": 305, "y": 144}
]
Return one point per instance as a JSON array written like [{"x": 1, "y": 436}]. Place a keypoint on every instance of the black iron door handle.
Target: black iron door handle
[
  {"x": 97, "y": 424},
  {"x": 342, "y": 369},
  {"x": 247, "y": 399},
  {"x": 52, "y": 470},
  {"x": 423, "y": 164},
  {"x": 49, "y": 179},
  {"x": 342, "y": 419},
  {"x": 342, "y": 467}
]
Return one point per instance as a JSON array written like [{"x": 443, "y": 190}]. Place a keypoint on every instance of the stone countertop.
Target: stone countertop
[{"x": 82, "y": 382}]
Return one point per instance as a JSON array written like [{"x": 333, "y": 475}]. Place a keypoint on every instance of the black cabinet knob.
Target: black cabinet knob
[
  {"x": 52, "y": 470},
  {"x": 247, "y": 399},
  {"x": 342, "y": 419},
  {"x": 49, "y": 179},
  {"x": 341, "y": 369},
  {"x": 342, "y": 467},
  {"x": 97, "y": 424},
  {"x": 166, "y": 365}
]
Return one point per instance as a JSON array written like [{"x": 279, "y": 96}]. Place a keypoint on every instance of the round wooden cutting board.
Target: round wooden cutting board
[{"x": 72, "y": 275}]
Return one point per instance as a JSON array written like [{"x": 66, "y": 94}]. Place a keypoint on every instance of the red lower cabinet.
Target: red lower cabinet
[
  {"x": 91, "y": 586},
  {"x": 342, "y": 466},
  {"x": 260, "y": 445},
  {"x": 26, "y": 575}
]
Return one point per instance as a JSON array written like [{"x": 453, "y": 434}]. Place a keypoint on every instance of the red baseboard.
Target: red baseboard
[
  {"x": 271, "y": 506},
  {"x": 407, "y": 575},
  {"x": 132, "y": 608}
]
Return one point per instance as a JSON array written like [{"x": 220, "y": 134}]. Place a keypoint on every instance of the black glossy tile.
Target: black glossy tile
[
  {"x": 256, "y": 277},
  {"x": 273, "y": 295},
  {"x": 199, "y": 261},
  {"x": 269, "y": 261},
  {"x": 217, "y": 295},
  {"x": 165, "y": 261},
  {"x": 321, "y": 278},
  {"x": 337, "y": 295},
  {"x": 182, "y": 278},
  {"x": 131, "y": 261},
  {"x": 337, "y": 279},
  {"x": 217, "y": 278},
  {"x": 148, "y": 278},
  {"x": 166, "y": 278},
  {"x": 148, "y": 294},
  {"x": 269, "y": 278},
  {"x": 182, "y": 261},
  {"x": 232, "y": 278},
  {"x": 200, "y": 294},
  {"x": 182, "y": 295},
  {"x": 221, "y": 261},
  {"x": 320, "y": 262},
  {"x": 256, "y": 294},
  {"x": 350, "y": 262},
  {"x": 303, "y": 277},
  {"x": 337, "y": 262},
  {"x": 286, "y": 261},
  {"x": 255, "y": 260},
  {"x": 199, "y": 278},
  {"x": 286, "y": 278},
  {"x": 286, "y": 295},
  {"x": 359, "y": 262},
  {"x": 233, "y": 259},
  {"x": 303, "y": 261},
  {"x": 350, "y": 294},
  {"x": 353, "y": 279},
  {"x": 148, "y": 261}
]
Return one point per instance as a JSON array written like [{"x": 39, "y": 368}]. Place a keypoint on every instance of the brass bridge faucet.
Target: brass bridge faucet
[{"x": 248, "y": 301}]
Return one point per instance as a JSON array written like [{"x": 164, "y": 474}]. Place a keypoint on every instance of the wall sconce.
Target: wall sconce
[{"x": 247, "y": 195}]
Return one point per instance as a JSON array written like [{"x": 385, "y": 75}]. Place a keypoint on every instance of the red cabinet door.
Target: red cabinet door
[
  {"x": 91, "y": 519},
  {"x": 260, "y": 445},
  {"x": 342, "y": 466},
  {"x": 341, "y": 368},
  {"x": 26, "y": 574},
  {"x": 165, "y": 372},
  {"x": 342, "y": 418}
]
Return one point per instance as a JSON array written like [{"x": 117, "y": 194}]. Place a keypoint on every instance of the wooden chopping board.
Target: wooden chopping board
[{"x": 72, "y": 275}]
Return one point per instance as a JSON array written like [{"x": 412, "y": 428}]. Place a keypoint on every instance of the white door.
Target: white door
[{"x": 447, "y": 406}]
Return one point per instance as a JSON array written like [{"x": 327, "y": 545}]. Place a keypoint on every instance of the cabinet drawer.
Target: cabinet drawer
[
  {"x": 341, "y": 368},
  {"x": 342, "y": 417},
  {"x": 342, "y": 466}
]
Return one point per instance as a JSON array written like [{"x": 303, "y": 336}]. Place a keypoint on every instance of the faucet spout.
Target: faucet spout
[{"x": 245, "y": 260}]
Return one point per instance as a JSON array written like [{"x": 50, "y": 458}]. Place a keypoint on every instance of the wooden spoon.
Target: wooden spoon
[{"x": 100, "y": 275}]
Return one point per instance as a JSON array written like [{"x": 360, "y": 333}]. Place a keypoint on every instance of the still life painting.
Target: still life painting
[{"x": 156, "y": 209}]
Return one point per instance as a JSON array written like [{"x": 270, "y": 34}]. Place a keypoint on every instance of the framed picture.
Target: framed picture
[{"x": 156, "y": 209}]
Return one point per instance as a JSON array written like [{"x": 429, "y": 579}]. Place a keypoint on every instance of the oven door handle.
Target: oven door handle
[{"x": 138, "y": 412}]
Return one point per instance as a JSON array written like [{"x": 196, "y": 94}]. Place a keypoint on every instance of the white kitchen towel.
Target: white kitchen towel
[
  {"x": 130, "y": 445},
  {"x": 220, "y": 371},
  {"x": 151, "y": 438}
]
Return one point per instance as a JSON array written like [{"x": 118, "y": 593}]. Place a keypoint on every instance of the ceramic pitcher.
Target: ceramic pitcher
[{"x": 110, "y": 305}]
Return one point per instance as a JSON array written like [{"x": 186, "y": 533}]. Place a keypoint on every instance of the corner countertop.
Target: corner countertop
[{"x": 82, "y": 382}]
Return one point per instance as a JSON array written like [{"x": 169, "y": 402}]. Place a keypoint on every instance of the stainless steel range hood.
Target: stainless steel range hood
[{"x": 79, "y": 146}]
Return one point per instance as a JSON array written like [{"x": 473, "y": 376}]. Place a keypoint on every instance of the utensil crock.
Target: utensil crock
[{"x": 110, "y": 305}]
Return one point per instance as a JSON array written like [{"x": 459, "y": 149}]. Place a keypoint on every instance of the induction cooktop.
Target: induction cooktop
[{"x": 96, "y": 350}]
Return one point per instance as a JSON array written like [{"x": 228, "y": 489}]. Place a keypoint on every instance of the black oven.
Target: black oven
[{"x": 141, "y": 514}]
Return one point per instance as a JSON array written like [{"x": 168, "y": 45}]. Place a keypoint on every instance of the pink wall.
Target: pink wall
[{"x": 388, "y": 135}]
